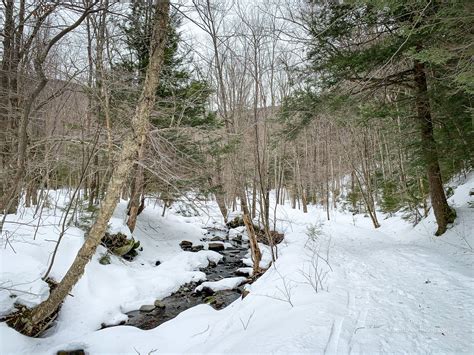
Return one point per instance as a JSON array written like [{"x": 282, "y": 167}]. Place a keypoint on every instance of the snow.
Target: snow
[
  {"x": 105, "y": 292},
  {"x": 266, "y": 257},
  {"x": 234, "y": 232},
  {"x": 225, "y": 284},
  {"x": 246, "y": 270},
  {"x": 395, "y": 289}
]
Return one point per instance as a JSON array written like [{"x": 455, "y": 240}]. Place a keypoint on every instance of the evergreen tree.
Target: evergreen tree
[
  {"x": 181, "y": 115},
  {"x": 182, "y": 98},
  {"x": 390, "y": 198},
  {"x": 415, "y": 51}
]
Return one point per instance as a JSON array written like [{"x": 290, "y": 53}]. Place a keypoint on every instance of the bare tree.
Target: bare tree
[
  {"x": 41, "y": 13},
  {"x": 31, "y": 323}
]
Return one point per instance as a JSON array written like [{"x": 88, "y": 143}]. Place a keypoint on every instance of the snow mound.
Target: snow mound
[
  {"x": 221, "y": 285},
  {"x": 245, "y": 270},
  {"x": 236, "y": 231}
]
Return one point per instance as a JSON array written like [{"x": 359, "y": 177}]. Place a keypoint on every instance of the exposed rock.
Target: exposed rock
[
  {"x": 197, "y": 248},
  {"x": 242, "y": 272},
  {"x": 159, "y": 304},
  {"x": 217, "y": 239},
  {"x": 276, "y": 237},
  {"x": 212, "y": 291},
  {"x": 71, "y": 352},
  {"x": 237, "y": 243},
  {"x": 210, "y": 300},
  {"x": 105, "y": 325},
  {"x": 236, "y": 222},
  {"x": 206, "y": 291},
  {"x": 245, "y": 293},
  {"x": 147, "y": 308},
  {"x": 186, "y": 245},
  {"x": 130, "y": 255},
  {"x": 216, "y": 246},
  {"x": 237, "y": 238},
  {"x": 120, "y": 245},
  {"x": 224, "y": 284},
  {"x": 104, "y": 259}
]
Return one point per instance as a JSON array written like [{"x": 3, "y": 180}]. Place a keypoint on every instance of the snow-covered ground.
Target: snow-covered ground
[{"x": 397, "y": 289}]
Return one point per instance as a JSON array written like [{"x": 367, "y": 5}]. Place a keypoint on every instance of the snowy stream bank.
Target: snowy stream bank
[
  {"x": 221, "y": 288},
  {"x": 396, "y": 289}
]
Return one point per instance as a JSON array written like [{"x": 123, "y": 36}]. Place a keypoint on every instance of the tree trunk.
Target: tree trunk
[
  {"x": 443, "y": 213},
  {"x": 353, "y": 191},
  {"x": 94, "y": 186},
  {"x": 218, "y": 186},
  {"x": 131, "y": 147},
  {"x": 327, "y": 179},
  {"x": 254, "y": 248},
  {"x": 366, "y": 195},
  {"x": 254, "y": 197},
  {"x": 135, "y": 197}
]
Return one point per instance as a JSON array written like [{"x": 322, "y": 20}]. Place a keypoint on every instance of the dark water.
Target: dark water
[{"x": 185, "y": 297}]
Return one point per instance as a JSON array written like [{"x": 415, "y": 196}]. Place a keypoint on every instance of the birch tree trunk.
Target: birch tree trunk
[{"x": 131, "y": 147}]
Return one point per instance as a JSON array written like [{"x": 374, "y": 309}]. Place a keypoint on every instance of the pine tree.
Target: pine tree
[
  {"x": 182, "y": 97},
  {"x": 367, "y": 49},
  {"x": 390, "y": 199},
  {"x": 181, "y": 101}
]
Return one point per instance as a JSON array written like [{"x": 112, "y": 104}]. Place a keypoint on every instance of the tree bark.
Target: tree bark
[
  {"x": 131, "y": 147},
  {"x": 135, "y": 206},
  {"x": 218, "y": 186},
  {"x": 136, "y": 197},
  {"x": 443, "y": 213},
  {"x": 254, "y": 248}
]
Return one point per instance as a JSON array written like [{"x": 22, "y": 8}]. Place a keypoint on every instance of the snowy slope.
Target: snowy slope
[{"x": 396, "y": 289}]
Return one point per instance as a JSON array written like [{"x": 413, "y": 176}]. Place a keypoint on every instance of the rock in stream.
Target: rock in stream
[{"x": 149, "y": 317}]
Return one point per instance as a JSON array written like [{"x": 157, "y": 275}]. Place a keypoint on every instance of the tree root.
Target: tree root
[
  {"x": 21, "y": 322},
  {"x": 21, "y": 319}
]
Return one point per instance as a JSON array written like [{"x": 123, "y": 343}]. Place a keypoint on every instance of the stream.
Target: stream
[{"x": 185, "y": 297}]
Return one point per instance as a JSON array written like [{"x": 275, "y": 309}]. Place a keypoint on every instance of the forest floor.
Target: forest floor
[{"x": 397, "y": 289}]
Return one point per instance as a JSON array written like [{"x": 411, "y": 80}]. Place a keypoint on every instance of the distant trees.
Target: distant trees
[
  {"x": 27, "y": 43},
  {"x": 377, "y": 67}
]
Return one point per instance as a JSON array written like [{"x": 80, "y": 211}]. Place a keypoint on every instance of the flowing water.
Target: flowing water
[{"x": 185, "y": 297}]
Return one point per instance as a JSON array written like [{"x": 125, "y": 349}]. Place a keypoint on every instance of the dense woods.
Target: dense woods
[{"x": 360, "y": 106}]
